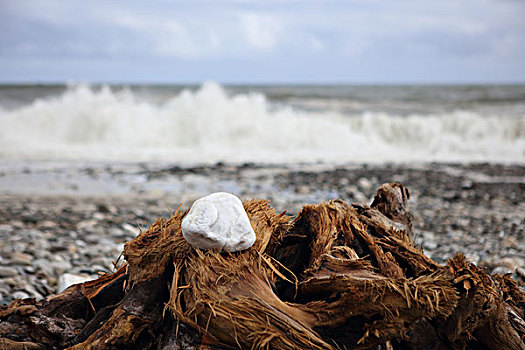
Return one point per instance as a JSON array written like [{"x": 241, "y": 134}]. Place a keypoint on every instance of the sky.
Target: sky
[{"x": 369, "y": 41}]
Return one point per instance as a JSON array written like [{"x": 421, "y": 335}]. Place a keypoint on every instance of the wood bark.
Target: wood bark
[{"x": 337, "y": 276}]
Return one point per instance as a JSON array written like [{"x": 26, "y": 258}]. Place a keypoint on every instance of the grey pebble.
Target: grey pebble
[
  {"x": 6, "y": 229},
  {"x": 60, "y": 266},
  {"x": 501, "y": 270},
  {"x": 20, "y": 295},
  {"x": 44, "y": 266},
  {"x": 18, "y": 258},
  {"x": 92, "y": 238},
  {"x": 7, "y": 271}
]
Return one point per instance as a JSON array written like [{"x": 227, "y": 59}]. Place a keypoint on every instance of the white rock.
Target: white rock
[
  {"x": 218, "y": 221},
  {"x": 67, "y": 279},
  {"x": 20, "y": 295}
]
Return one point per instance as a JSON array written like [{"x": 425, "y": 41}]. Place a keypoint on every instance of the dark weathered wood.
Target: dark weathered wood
[{"x": 337, "y": 276}]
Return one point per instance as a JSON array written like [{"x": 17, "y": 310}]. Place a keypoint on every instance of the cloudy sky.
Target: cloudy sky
[{"x": 367, "y": 41}]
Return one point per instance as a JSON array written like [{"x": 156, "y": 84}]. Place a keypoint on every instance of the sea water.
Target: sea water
[{"x": 262, "y": 124}]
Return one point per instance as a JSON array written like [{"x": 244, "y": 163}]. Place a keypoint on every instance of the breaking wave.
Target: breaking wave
[{"x": 209, "y": 125}]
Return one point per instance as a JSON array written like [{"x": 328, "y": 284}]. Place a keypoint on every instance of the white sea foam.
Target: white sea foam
[{"x": 209, "y": 125}]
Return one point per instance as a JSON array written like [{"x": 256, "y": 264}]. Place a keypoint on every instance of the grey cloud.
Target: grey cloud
[{"x": 262, "y": 40}]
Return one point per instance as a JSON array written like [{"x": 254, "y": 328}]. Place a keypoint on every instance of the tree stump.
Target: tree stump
[{"x": 337, "y": 276}]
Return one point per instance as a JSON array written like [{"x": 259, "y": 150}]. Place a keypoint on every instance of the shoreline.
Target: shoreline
[{"x": 79, "y": 225}]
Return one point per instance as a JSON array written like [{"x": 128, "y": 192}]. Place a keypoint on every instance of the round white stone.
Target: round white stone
[{"x": 219, "y": 222}]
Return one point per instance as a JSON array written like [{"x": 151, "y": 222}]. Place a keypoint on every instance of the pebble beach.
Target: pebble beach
[{"x": 65, "y": 223}]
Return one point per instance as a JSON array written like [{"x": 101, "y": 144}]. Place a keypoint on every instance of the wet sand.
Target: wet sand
[{"x": 58, "y": 218}]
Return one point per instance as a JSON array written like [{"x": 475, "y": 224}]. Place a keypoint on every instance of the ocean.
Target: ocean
[{"x": 262, "y": 124}]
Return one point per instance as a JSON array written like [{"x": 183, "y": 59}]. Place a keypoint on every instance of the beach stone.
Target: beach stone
[
  {"x": 87, "y": 225},
  {"x": 6, "y": 271},
  {"x": 6, "y": 229},
  {"x": 219, "y": 222},
  {"x": 501, "y": 270},
  {"x": 92, "y": 238},
  {"x": 303, "y": 189},
  {"x": 429, "y": 240},
  {"x": 42, "y": 253},
  {"x": 32, "y": 292},
  {"x": 32, "y": 234},
  {"x": 18, "y": 258},
  {"x": 14, "y": 282},
  {"x": 99, "y": 216},
  {"x": 59, "y": 265},
  {"x": 117, "y": 232},
  {"x": 68, "y": 279},
  {"x": 510, "y": 263},
  {"x": 47, "y": 225},
  {"x": 131, "y": 229},
  {"x": 43, "y": 265},
  {"x": 4, "y": 292},
  {"x": 365, "y": 184},
  {"x": 103, "y": 261},
  {"x": 20, "y": 295}
]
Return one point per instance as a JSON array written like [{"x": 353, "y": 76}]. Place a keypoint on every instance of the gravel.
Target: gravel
[{"x": 49, "y": 238}]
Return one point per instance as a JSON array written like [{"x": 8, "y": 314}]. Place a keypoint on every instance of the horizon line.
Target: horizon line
[{"x": 257, "y": 83}]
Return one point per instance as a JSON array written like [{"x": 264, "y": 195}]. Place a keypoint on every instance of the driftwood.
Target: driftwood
[{"x": 338, "y": 276}]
